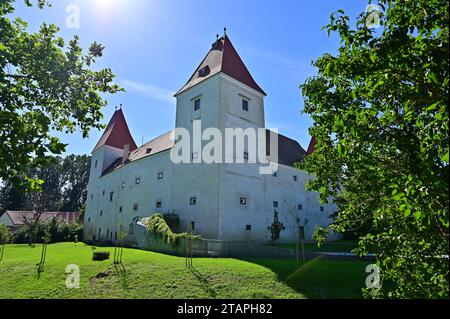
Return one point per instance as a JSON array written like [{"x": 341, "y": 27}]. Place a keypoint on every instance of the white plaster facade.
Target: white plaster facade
[{"x": 114, "y": 199}]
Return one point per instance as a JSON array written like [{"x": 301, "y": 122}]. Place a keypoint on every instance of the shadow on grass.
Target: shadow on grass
[
  {"x": 320, "y": 278},
  {"x": 122, "y": 274},
  {"x": 203, "y": 281}
]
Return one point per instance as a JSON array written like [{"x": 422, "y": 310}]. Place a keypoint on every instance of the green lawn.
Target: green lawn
[
  {"x": 154, "y": 275},
  {"x": 337, "y": 246}
]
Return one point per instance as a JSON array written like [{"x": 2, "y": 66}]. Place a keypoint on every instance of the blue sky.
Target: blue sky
[{"x": 153, "y": 46}]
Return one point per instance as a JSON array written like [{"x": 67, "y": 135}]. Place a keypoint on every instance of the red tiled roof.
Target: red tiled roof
[
  {"x": 158, "y": 144},
  {"x": 116, "y": 133},
  {"x": 311, "y": 146},
  {"x": 222, "y": 58},
  {"x": 289, "y": 150},
  {"x": 18, "y": 217}
]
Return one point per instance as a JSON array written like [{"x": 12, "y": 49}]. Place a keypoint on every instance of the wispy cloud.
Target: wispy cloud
[
  {"x": 279, "y": 59},
  {"x": 152, "y": 91}
]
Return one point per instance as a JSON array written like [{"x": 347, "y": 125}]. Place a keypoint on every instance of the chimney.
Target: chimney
[{"x": 126, "y": 153}]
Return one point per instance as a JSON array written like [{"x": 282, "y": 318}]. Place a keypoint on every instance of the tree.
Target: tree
[
  {"x": 75, "y": 176},
  {"x": 45, "y": 86},
  {"x": 380, "y": 111}
]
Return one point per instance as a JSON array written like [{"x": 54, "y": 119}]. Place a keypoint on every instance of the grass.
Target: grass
[
  {"x": 154, "y": 275},
  {"x": 337, "y": 246}
]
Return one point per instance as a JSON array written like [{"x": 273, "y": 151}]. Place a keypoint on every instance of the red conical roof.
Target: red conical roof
[
  {"x": 311, "y": 146},
  {"x": 222, "y": 58},
  {"x": 116, "y": 133}
]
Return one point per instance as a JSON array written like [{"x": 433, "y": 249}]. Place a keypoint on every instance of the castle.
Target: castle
[{"x": 219, "y": 200}]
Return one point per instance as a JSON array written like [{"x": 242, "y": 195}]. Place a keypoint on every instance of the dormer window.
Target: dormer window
[
  {"x": 148, "y": 150},
  {"x": 197, "y": 104},
  {"x": 203, "y": 71},
  {"x": 160, "y": 175},
  {"x": 245, "y": 105}
]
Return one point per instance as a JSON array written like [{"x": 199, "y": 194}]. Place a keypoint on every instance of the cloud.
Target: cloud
[{"x": 152, "y": 91}]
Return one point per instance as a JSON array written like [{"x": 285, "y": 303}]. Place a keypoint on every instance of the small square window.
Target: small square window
[
  {"x": 246, "y": 155},
  {"x": 243, "y": 201},
  {"x": 321, "y": 208},
  {"x": 245, "y": 105},
  {"x": 111, "y": 196},
  {"x": 160, "y": 175},
  {"x": 135, "y": 207},
  {"x": 123, "y": 184},
  {"x": 294, "y": 177},
  {"x": 275, "y": 204},
  {"x": 248, "y": 227},
  {"x": 299, "y": 207},
  {"x": 138, "y": 180},
  {"x": 158, "y": 204},
  {"x": 193, "y": 201},
  {"x": 197, "y": 105}
]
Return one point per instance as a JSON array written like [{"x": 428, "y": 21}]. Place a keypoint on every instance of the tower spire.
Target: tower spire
[{"x": 225, "y": 31}]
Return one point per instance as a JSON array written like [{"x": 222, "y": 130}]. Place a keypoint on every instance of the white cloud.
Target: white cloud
[{"x": 152, "y": 91}]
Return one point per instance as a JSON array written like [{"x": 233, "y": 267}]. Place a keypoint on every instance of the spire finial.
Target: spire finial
[
  {"x": 225, "y": 31},
  {"x": 217, "y": 37},
  {"x": 115, "y": 108},
  {"x": 120, "y": 107}
]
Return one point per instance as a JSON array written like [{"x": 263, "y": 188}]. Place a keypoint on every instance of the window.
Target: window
[
  {"x": 103, "y": 192},
  {"x": 192, "y": 225},
  {"x": 89, "y": 219},
  {"x": 321, "y": 208},
  {"x": 115, "y": 236},
  {"x": 138, "y": 180},
  {"x": 101, "y": 213},
  {"x": 246, "y": 155},
  {"x": 158, "y": 204},
  {"x": 275, "y": 204},
  {"x": 248, "y": 227},
  {"x": 111, "y": 196},
  {"x": 99, "y": 232},
  {"x": 299, "y": 207},
  {"x": 194, "y": 155},
  {"x": 123, "y": 184},
  {"x": 92, "y": 196},
  {"x": 160, "y": 175},
  {"x": 107, "y": 233},
  {"x": 197, "y": 104},
  {"x": 193, "y": 200},
  {"x": 245, "y": 105},
  {"x": 294, "y": 177},
  {"x": 95, "y": 165},
  {"x": 243, "y": 201},
  {"x": 274, "y": 174},
  {"x": 120, "y": 209},
  {"x": 135, "y": 207}
]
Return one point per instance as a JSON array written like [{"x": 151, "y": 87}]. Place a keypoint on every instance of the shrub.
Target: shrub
[
  {"x": 156, "y": 224},
  {"x": 5, "y": 234}
]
